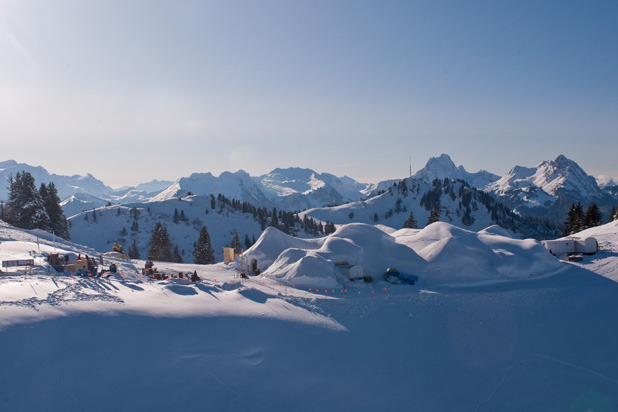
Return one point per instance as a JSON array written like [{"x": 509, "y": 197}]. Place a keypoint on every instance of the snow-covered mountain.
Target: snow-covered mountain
[
  {"x": 238, "y": 185},
  {"x": 79, "y": 193},
  {"x": 548, "y": 190},
  {"x": 66, "y": 185},
  {"x": 605, "y": 181},
  {"x": 299, "y": 189},
  {"x": 288, "y": 189},
  {"x": 79, "y": 202},
  {"x": 459, "y": 204},
  {"x": 545, "y": 191},
  {"x": 443, "y": 167}
]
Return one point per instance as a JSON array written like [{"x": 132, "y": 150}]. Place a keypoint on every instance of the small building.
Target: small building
[
  {"x": 229, "y": 255},
  {"x": 571, "y": 245}
]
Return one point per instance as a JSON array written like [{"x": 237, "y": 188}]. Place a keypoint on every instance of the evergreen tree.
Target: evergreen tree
[
  {"x": 58, "y": 222},
  {"x": 434, "y": 216},
  {"x": 247, "y": 242},
  {"x": 236, "y": 243},
  {"x": 593, "y": 216},
  {"x": 25, "y": 208},
  {"x": 176, "y": 216},
  {"x": 177, "y": 256},
  {"x": 43, "y": 192},
  {"x": 613, "y": 215},
  {"x": 575, "y": 220},
  {"x": 134, "y": 250},
  {"x": 329, "y": 228},
  {"x": 274, "y": 222},
  {"x": 160, "y": 245},
  {"x": 411, "y": 222},
  {"x": 203, "y": 253}
]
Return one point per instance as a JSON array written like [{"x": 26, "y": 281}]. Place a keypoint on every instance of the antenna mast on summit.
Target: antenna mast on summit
[{"x": 410, "y": 166}]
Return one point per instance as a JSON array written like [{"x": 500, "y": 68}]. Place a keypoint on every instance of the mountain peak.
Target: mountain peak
[
  {"x": 443, "y": 167},
  {"x": 7, "y": 163},
  {"x": 549, "y": 187}
]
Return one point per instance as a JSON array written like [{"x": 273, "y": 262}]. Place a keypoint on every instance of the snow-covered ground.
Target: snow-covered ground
[
  {"x": 604, "y": 262},
  {"x": 494, "y": 323}
]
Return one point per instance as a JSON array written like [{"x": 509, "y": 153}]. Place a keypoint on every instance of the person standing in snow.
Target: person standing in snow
[{"x": 195, "y": 277}]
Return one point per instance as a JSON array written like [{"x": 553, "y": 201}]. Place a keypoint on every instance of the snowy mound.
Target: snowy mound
[
  {"x": 272, "y": 243},
  {"x": 456, "y": 255},
  {"x": 379, "y": 250},
  {"x": 496, "y": 230},
  {"x": 439, "y": 254},
  {"x": 312, "y": 262},
  {"x": 304, "y": 267}
]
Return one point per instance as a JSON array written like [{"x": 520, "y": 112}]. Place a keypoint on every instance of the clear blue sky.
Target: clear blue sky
[{"x": 135, "y": 90}]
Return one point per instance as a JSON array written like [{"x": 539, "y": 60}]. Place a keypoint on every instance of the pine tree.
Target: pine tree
[
  {"x": 58, "y": 222},
  {"x": 575, "y": 220},
  {"x": 247, "y": 242},
  {"x": 160, "y": 245},
  {"x": 593, "y": 216},
  {"x": 613, "y": 215},
  {"x": 134, "y": 250},
  {"x": 203, "y": 253},
  {"x": 236, "y": 243},
  {"x": 434, "y": 216},
  {"x": 411, "y": 222},
  {"x": 177, "y": 257},
  {"x": 25, "y": 208},
  {"x": 176, "y": 216},
  {"x": 274, "y": 222}
]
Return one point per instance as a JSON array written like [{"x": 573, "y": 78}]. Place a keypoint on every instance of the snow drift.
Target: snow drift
[{"x": 439, "y": 254}]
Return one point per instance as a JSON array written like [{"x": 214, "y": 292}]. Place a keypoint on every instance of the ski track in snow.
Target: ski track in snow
[
  {"x": 526, "y": 359},
  {"x": 82, "y": 290}
]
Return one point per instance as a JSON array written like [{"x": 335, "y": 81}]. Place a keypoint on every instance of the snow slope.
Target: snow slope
[
  {"x": 128, "y": 343},
  {"x": 606, "y": 259},
  {"x": 117, "y": 224},
  {"x": 458, "y": 203}
]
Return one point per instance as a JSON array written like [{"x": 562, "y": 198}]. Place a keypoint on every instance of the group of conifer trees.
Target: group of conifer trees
[
  {"x": 162, "y": 248},
  {"x": 29, "y": 208},
  {"x": 577, "y": 220}
]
